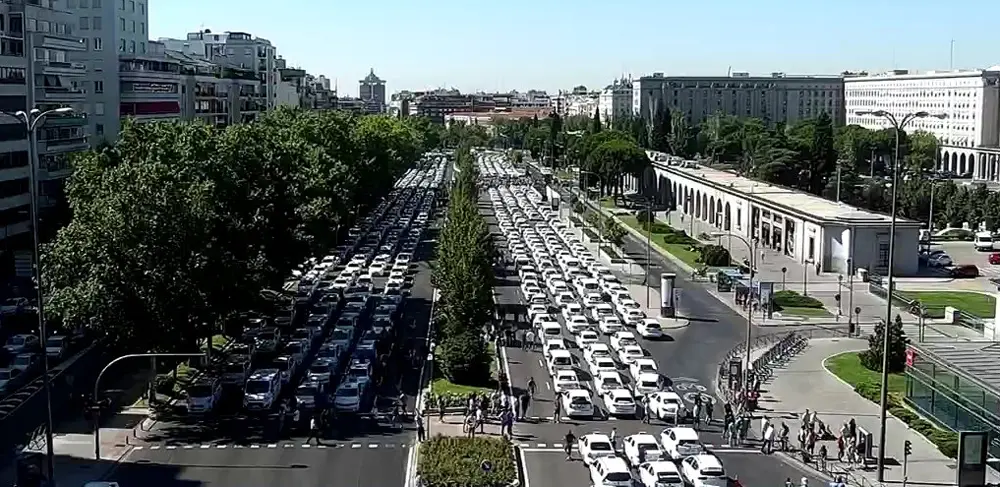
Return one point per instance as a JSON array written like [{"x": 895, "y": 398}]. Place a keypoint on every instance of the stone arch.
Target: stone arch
[
  {"x": 704, "y": 207},
  {"x": 954, "y": 162},
  {"x": 718, "y": 213},
  {"x": 961, "y": 164},
  {"x": 664, "y": 189},
  {"x": 943, "y": 165},
  {"x": 711, "y": 210},
  {"x": 697, "y": 204},
  {"x": 727, "y": 218}
]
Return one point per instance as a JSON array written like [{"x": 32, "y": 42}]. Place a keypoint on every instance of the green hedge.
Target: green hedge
[
  {"x": 792, "y": 299},
  {"x": 451, "y": 461},
  {"x": 945, "y": 441}
]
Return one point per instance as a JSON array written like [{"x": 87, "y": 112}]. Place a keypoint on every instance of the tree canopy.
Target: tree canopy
[{"x": 178, "y": 226}]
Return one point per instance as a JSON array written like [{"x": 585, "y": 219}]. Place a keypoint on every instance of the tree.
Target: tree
[
  {"x": 661, "y": 133},
  {"x": 595, "y": 123},
  {"x": 680, "y": 136},
  {"x": 898, "y": 342},
  {"x": 613, "y": 232},
  {"x": 923, "y": 152},
  {"x": 615, "y": 158}
]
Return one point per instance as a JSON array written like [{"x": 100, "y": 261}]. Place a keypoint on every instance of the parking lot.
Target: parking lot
[{"x": 341, "y": 348}]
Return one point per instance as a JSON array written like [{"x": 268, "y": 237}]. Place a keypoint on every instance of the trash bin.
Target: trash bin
[{"x": 863, "y": 274}]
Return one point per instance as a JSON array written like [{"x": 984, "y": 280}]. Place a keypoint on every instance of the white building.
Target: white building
[
  {"x": 615, "y": 101},
  {"x": 777, "y": 98},
  {"x": 570, "y": 104},
  {"x": 969, "y": 100}
]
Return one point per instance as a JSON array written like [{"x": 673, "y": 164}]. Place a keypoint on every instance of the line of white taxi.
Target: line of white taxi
[
  {"x": 557, "y": 272},
  {"x": 676, "y": 458}
]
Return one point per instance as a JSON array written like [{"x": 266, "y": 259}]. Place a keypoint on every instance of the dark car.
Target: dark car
[{"x": 965, "y": 271}]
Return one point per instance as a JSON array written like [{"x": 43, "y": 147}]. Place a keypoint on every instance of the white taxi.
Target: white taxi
[
  {"x": 594, "y": 446},
  {"x": 661, "y": 473},
  {"x": 565, "y": 380},
  {"x": 641, "y": 366},
  {"x": 601, "y": 364},
  {"x": 650, "y": 328},
  {"x": 667, "y": 405},
  {"x": 609, "y": 325},
  {"x": 641, "y": 448},
  {"x": 586, "y": 337},
  {"x": 704, "y": 471},
  {"x": 577, "y": 403},
  {"x": 619, "y": 402},
  {"x": 681, "y": 442},
  {"x": 577, "y": 323},
  {"x": 630, "y": 353},
  {"x": 606, "y": 381}
]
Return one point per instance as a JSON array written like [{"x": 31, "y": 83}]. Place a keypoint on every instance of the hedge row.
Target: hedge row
[
  {"x": 945, "y": 441},
  {"x": 451, "y": 461},
  {"x": 792, "y": 299}
]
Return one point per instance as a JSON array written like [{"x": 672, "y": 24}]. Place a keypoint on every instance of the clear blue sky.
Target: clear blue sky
[{"x": 551, "y": 44}]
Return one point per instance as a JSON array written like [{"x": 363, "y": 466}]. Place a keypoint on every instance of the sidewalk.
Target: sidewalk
[{"x": 784, "y": 399}]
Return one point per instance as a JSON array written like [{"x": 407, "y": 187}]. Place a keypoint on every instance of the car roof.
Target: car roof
[
  {"x": 663, "y": 466},
  {"x": 643, "y": 438},
  {"x": 263, "y": 373},
  {"x": 683, "y": 433},
  {"x": 620, "y": 392},
  {"x": 669, "y": 395},
  {"x": 605, "y": 373},
  {"x": 578, "y": 393},
  {"x": 614, "y": 464},
  {"x": 708, "y": 461},
  {"x": 560, "y": 353},
  {"x": 592, "y": 437}
]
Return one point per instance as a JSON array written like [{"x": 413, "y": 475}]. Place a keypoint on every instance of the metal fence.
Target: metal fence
[{"x": 877, "y": 286}]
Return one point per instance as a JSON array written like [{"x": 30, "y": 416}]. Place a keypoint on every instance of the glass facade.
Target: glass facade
[{"x": 953, "y": 401}]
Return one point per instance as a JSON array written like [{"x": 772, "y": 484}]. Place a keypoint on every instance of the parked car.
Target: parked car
[
  {"x": 13, "y": 306},
  {"x": 965, "y": 271}
]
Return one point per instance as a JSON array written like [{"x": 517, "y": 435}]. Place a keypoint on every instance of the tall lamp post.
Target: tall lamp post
[
  {"x": 898, "y": 124},
  {"x": 752, "y": 247},
  {"x": 32, "y": 119}
]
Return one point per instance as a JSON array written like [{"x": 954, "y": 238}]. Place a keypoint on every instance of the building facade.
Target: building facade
[
  {"x": 777, "y": 98},
  {"x": 371, "y": 89},
  {"x": 969, "y": 100},
  {"x": 216, "y": 94},
  {"x": 570, "y": 104},
  {"x": 37, "y": 42},
  {"x": 615, "y": 101},
  {"x": 150, "y": 85}
]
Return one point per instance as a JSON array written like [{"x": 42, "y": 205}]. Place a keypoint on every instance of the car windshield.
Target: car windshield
[
  {"x": 647, "y": 447},
  {"x": 347, "y": 392},
  {"x": 668, "y": 477},
  {"x": 307, "y": 391},
  {"x": 54, "y": 342},
  {"x": 580, "y": 401},
  {"x": 258, "y": 387},
  {"x": 200, "y": 390},
  {"x": 647, "y": 383},
  {"x": 600, "y": 446},
  {"x": 358, "y": 372},
  {"x": 609, "y": 381},
  {"x": 319, "y": 369},
  {"x": 627, "y": 341},
  {"x": 6, "y": 374}
]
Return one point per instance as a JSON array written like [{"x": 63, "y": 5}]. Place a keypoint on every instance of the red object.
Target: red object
[
  {"x": 994, "y": 259},
  {"x": 911, "y": 357},
  {"x": 965, "y": 271}
]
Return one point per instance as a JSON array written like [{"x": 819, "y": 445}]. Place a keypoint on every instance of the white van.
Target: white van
[
  {"x": 559, "y": 360},
  {"x": 983, "y": 241},
  {"x": 550, "y": 329}
]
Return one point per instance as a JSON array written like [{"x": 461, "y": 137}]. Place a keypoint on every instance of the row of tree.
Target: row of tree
[
  {"x": 463, "y": 276},
  {"x": 178, "y": 227}
]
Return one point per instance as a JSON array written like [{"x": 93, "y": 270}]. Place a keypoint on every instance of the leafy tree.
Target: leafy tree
[
  {"x": 922, "y": 153},
  {"x": 615, "y": 158},
  {"x": 661, "y": 133},
  {"x": 714, "y": 256},
  {"x": 898, "y": 342},
  {"x": 595, "y": 123},
  {"x": 680, "y": 136},
  {"x": 613, "y": 232},
  {"x": 463, "y": 358}
]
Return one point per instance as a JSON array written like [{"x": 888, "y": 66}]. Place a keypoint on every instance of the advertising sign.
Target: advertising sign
[
  {"x": 143, "y": 87},
  {"x": 667, "y": 295},
  {"x": 972, "y": 453}
]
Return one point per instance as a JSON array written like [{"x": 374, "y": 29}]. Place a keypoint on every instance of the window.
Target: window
[
  {"x": 95, "y": 23},
  {"x": 84, "y": 23},
  {"x": 98, "y": 44},
  {"x": 96, "y": 3},
  {"x": 84, "y": 4},
  {"x": 142, "y": 27},
  {"x": 122, "y": 4},
  {"x": 131, "y": 46},
  {"x": 98, "y": 109},
  {"x": 44, "y": 26},
  {"x": 142, "y": 8},
  {"x": 131, "y": 6},
  {"x": 98, "y": 87},
  {"x": 99, "y": 129},
  {"x": 121, "y": 23},
  {"x": 32, "y": 25},
  {"x": 70, "y": 3},
  {"x": 142, "y": 47},
  {"x": 12, "y": 76},
  {"x": 121, "y": 45},
  {"x": 133, "y": 26},
  {"x": 12, "y": 103}
]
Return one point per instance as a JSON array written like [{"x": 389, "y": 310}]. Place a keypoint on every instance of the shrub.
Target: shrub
[
  {"x": 644, "y": 216},
  {"x": 579, "y": 207},
  {"x": 945, "y": 441},
  {"x": 714, "y": 256},
  {"x": 898, "y": 342},
  {"x": 613, "y": 232},
  {"x": 464, "y": 359},
  {"x": 792, "y": 299},
  {"x": 447, "y": 461}
]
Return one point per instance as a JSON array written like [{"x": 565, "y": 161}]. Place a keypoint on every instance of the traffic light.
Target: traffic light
[{"x": 907, "y": 448}]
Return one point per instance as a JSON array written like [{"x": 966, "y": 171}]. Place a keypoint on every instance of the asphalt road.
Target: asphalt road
[
  {"x": 241, "y": 451},
  {"x": 688, "y": 356}
]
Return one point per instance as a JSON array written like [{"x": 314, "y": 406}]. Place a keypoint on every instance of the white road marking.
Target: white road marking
[
  {"x": 171, "y": 447},
  {"x": 339, "y": 445},
  {"x": 557, "y": 445},
  {"x": 254, "y": 447},
  {"x": 547, "y": 386},
  {"x": 321, "y": 447},
  {"x": 356, "y": 445},
  {"x": 221, "y": 447},
  {"x": 541, "y": 364},
  {"x": 238, "y": 447},
  {"x": 272, "y": 445},
  {"x": 541, "y": 445},
  {"x": 138, "y": 447},
  {"x": 306, "y": 445},
  {"x": 154, "y": 447},
  {"x": 289, "y": 445},
  {"x": 188, "y": 447},
  {"x": 390, "y": 445},
  {"x": 204, "y": 447},
  {"x": 373, "y": 446}
]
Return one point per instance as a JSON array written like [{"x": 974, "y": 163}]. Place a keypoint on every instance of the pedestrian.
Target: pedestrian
[
  {"x": 525, "y": 403},
  {"x": 557, "y": 417},
  {"x": 507, "y": 424},
  {"x": 313, "y": 430},
  {"x": 480, "y": 418},
  {"x": 730, "y": 433},
  {"x": 762, "y": 256},
  {"x": 821, "y": 459},
  {"x": 402, "y": 402},
  {"x": 420, "y": 430},
  {"x": 767, "y": 440},
  {"x": 696, "y": 415},
  {"x": 788, "y": 482},
  {"x": 614, "y": 438},
  {"x": 819, "y": 268},
  {"x": 569, "y": 441},
  {"x": 709, "y": 409},
  {"x": 531, "y": 386}
]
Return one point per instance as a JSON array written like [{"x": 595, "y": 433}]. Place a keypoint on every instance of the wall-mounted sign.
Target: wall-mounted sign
[{"x": 144, "y": 87}]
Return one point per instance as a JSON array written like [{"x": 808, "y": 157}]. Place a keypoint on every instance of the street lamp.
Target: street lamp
[
  {"x": 586, "y": 191},
  {"x": 752, "y": 247},
  {"x": 898, "y": 124},
  {"x": 32, "y": 119}
]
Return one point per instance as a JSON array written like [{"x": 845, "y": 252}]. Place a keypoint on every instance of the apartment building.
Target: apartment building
[
  {"x": 577, "y": 103},
  {"x": 217, "y": 94},
  {"x": 778, "y": 98},
  {"x": 968, "y": 100},
  {"x": 615, "y": 101},
  {"x": 238, "y": 49},
  {"x": 43, "y": 30}
]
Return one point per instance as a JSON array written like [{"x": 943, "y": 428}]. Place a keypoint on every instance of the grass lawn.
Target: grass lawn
[
  {"x": 976, "y": 304},
  {"x": 805, "y": 312},
  {"x": 608, "y": 202},
  {"x": 848, "y": 367},
  {"x": 680, "y": 251},
  {"x": 442, "y": 386}
]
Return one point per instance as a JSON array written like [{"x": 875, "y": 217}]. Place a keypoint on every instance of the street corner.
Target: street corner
[{"x": 674, "y": 323}]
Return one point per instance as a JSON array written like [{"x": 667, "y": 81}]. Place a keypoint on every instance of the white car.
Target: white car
[
  {"x": 586, "y": 337},
  {"x": 577, "y": 323},
  {"x": 537, "y": 309},
  {"x": 577, "y": 403},
  {"x": 606, "y": 381},
  {"x": 593, "y": 299},
  {"x": 572, "y": 309},
  {"x": 649, "y": 328},
  {"x": 601, "y": 311},
  {"x": 565, "y": 301},
  {"x": 609, "y": 325},
  {"x": 596, "y": 350},
  {"x": 541, "y": 319},
  {"x": 641, "y": 366},
  {"x": 553, "y": 344},
  {"x": 623, "y": 338},
  {"x": 647, "y": 383},
  {"x": 594, "y": 446},
  {"x": 625, "y": 305},
  {"x": 632, "y": 445},
  {"x": 630, "y": 353},
  {"x": 660, "y": 473},
  {"x": 619, "y": 402},
  {"x": 681, "y": 442},
  {"x": 377, "y": 269},
  {"x": 667, "y": 405},
  {"x": 565, "y": 380},
  {"x": 704, "y": 471},
  {"x": 601, "y": 364},
  {"x": 633, "y": 317}
]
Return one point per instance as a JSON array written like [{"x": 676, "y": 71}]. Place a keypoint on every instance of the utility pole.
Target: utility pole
[{"x": 838, "y": 182}]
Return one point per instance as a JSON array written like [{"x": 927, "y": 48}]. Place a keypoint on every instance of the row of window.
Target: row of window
[
  {"x": 97, "y": 23},
  {"x": 12, "y": 25},
  {"x": 36, "y": 25},
  {"x": 131, "y": 46},
  {"x": 123, "y": 5}
]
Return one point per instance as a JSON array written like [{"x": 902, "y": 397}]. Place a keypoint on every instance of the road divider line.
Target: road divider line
[
  {"x": 204, "y": 447},
  {"x": 356, "y": 445},
  {"x": 171, "y": 447}
]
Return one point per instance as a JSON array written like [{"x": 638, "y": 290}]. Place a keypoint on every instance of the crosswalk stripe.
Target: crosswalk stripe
[
  {"x": 220, "y": 447},
  {"x": 356, "y": 445},
  {"x": 154, "y": 447},
  {"x": 306, "y": 445},
  {"x": 321, "y": 447},
  {"x": 254, "y": 447},
  {"x": 138, "y": 447},
  {"x": 188, "y": 447},
  {"x": 171, "y": 447},
  {"x": 204, "y": 447},
  {"x": 272, "y": 445},
  {"x": 373, "y": 446},
  {"x": 289, "y": 445}
]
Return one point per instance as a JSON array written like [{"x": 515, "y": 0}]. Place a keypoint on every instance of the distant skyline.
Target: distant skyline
[{"x": 522, "y": 45}]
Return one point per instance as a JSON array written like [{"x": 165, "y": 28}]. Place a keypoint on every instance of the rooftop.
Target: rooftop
[
  {"x": 509, "y": 114},
  {"x": 808, "y": 206},
  {"x": 976, "y": 359},
  {"x": 371, "y": 79}
]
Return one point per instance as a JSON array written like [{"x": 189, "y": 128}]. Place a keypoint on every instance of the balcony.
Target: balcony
[
  {"x": 58, "y": 68},
  {"x": 65, "y": 121},
  {"x": 13, "y": 173},
  {"x": 59, "y": 94},
  {"x": 15, "y": 229},
  {"x": 64, "y": 42},
  {"x": 15, "y": 201}
]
